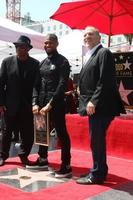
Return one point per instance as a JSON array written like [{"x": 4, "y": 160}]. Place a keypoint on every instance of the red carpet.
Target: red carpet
[
  {"x": 119, "y": 136},
  {"x": 119, "y": 139},
  {"x": 120, "y": 172}
]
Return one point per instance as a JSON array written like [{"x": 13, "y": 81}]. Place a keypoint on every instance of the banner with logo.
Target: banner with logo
[{"x": 124, "y": 74}]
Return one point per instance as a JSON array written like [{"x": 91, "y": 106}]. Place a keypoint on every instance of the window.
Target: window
[
  {"x": 48, "y": 28},
  {"x": 103, "y": 41},
  {"x": 54, "y": 27},
  {"x": 67, "y": 32},
  {"x": 119, "y": 39},
  {"x": 60, "y": 33},
  {"x": 61, "y": 26}
]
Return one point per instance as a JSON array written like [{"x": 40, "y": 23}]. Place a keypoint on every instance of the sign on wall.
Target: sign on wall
[{"x": 124, "y": 74}]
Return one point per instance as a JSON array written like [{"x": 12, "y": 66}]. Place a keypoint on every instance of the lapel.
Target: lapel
[
  {"x": 84, "y": 68},
  {"x": 15, "y": 65}
]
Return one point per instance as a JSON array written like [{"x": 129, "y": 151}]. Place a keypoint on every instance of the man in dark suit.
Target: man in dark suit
[
  {"x": 54, "y": 71},
  {"x": 17, "y": 78},
  {"x": 100, "y": 100}
]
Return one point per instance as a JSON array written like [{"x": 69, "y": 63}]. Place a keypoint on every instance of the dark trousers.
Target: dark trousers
[
  {"x": 98, "y": 126},
  {"x": 23, "y": 121},
  {"x": 58, "y": 119}
]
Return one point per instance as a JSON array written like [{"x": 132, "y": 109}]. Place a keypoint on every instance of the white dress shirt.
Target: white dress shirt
[{"x": 89, "y": 53}]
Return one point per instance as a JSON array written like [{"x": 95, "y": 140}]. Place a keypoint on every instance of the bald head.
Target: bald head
[
  {"x": 52, "y": 36},
  {"x": 50, "y": 43},
  {"x": 92, "y": 29}
]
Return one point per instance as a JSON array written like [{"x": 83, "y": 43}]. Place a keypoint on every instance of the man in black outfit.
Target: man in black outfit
[
  {"x": 17, "y": 78},
  {"x": 54, "y": 72},
  {"x": 100, "y": 100}
]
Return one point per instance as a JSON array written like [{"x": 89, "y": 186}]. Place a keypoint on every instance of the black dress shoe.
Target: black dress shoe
[
  {"x": 40, "y": 163},
  {"x": 88, "y": 180},
  {"x": 2, "y": 162},
  {"x": 24, "y": 160}
]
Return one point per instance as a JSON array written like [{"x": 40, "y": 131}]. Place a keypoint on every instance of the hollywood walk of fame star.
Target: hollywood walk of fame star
[
  {"x": 124, "y": 93},
  {"x": 27, "y": 177},
  {"x": 127, "y": 64}
]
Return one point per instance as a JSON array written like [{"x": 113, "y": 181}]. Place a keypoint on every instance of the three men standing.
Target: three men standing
[{"x": 99, "y": 99}]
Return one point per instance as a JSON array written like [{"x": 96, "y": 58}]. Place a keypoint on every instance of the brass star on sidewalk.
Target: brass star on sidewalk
[{"x": 22, "y": 178}]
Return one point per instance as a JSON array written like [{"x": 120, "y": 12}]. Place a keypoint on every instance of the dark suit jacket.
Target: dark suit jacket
[
  {"x": 13, "y": 91},
  {"x": 98, "y": 84}
]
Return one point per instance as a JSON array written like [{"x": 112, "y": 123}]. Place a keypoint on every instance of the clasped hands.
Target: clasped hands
[
  {"x": 90, "y": 108},
  {"x": 36, "y": 109}
]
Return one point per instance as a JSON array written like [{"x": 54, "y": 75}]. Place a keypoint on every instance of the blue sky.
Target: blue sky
[{"x": 38, "y": 9}]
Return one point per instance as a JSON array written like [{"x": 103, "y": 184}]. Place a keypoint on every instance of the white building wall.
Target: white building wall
[{"x": 53, "y": 26}]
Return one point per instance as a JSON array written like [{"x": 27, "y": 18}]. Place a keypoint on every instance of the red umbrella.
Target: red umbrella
[{"x": 109, "y": 16}]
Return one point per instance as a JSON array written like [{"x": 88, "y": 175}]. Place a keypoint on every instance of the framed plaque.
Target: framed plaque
[{"x": 41, "y": 129}]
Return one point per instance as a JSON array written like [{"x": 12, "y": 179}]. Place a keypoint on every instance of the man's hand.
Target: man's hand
[
  {"x": 35, "y": 109},
  {"x": 68, "y": 93},
  {"x": 90, "y": 108},
  {"x": 45, "y": 109}
]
